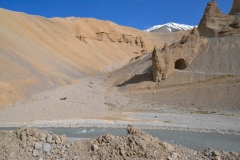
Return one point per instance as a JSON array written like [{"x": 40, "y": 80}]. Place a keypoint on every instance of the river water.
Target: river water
[{"x": 193, "y": 140}]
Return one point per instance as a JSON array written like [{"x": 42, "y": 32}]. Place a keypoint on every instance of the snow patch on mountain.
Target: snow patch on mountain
[{"x": 171, "y": 26}]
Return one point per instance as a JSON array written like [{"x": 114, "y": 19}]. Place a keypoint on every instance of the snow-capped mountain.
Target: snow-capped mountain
[{"x": 169, "y": 27}]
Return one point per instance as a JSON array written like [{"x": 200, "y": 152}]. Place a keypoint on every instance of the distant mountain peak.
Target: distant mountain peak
[{"x": 169, "y": 27}]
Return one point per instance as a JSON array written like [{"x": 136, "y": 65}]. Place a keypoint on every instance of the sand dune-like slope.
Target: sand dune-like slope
[
  {"x": 38, "y": 54},
  {"x": 211, "y": 81}
]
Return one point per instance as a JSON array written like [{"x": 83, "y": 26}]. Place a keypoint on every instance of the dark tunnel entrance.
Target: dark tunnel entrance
[{"x": 180, "y": 64}]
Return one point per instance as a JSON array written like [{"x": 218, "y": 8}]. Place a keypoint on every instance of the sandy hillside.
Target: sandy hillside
[{"x": 38, "y": 54}]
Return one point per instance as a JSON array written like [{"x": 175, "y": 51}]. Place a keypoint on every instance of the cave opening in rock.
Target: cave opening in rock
[{"x": 180, "y": 64}]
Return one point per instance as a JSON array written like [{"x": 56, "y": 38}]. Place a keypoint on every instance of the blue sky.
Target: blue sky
[{"x": 140, "y": 14}]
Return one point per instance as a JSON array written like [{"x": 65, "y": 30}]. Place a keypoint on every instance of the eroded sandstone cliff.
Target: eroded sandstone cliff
[
  {"x": 177, "y": 55},
  {"x": 235, "y": 7},
  {"x": 215, "y": 23}
]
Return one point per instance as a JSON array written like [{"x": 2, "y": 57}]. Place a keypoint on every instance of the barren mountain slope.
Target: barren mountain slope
[
  {"x": 38, "y": 54},
  {"x": 211, "y": 81}
]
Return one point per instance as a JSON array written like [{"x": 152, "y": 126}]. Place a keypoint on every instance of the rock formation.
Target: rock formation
[
  {"x": 216, "y": 24},
  {"x": 177, "y": 55},
  {"x": 235, "y": 7},
  {"x": 158, "y": 64},
  {"x": 138, "y": 41},
  {"x": 128, "y": 39}
]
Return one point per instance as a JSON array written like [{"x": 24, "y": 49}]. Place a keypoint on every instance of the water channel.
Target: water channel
[{"x": 193, "y": 140}]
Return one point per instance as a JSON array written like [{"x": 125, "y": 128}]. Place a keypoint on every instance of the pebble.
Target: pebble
[
  {"x": 175, "y": 155},
  {"x": 37, "y": 145},
  {"x": 35, "y": 153},
  {"x": 169, "y": 158},
  {"x": 216, "y": 158},
  {"x": 206, "y": 153},
  {"x": 58, "y": 140},
  {"x": 46, "y": 147},
  {"x": 42, "y": 137},
  {"x": 24, "y": 136},
  {"x": 49, "y": 138},
  {"x": 215, "y": 153},
  {"x": 63, "y": 138},
  {"x": 24, "y": 145},
  {"x": 94, "y": 147},
  {"x": 75, "y": 158}
]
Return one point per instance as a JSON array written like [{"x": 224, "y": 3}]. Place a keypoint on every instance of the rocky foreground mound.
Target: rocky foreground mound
[{"x": 30, "y": 143}]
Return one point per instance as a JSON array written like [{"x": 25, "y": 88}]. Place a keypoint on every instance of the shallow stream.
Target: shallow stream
[{"x": 193, "y": 140}]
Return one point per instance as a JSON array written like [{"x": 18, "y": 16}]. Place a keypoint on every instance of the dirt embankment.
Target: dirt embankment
[{"x": 30, "y": 143}]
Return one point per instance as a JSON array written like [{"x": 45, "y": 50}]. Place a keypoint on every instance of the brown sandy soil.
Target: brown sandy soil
[
  {"x": 90, "y": 104},
  {"x": 30, "y": 143},
  {"x": 38, "y": 54}
]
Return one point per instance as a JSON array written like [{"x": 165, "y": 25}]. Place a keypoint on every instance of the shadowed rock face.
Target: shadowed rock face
[
  {"x": 216, "y": 24},
  {"x": 181, "y": 54},
  {"x": 235, "y": 7}
]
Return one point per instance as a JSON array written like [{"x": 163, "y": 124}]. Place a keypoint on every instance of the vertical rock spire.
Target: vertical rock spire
[
  {"x": 154, "y": 53},
  {"x": 212, "y": 8},
  {"x": 213, "y": 20},
  {"x": 235, "y": 7}
]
